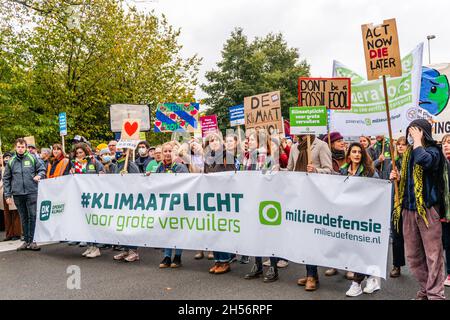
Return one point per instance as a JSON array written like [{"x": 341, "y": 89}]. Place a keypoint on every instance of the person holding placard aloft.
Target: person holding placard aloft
[
  {"x": 320, "y": 162},
  {"x": 358, "y": 163}
]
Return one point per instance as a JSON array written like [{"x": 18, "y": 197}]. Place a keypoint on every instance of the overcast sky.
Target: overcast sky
[{"x": 322, "y": 30}]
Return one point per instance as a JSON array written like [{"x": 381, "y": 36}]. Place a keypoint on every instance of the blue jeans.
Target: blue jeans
[
  {"x": 27, "y": 207},
  {"x": 311, "y": 271},
  {"x": 168, "y": 252},
  {"x": 222, "y": 256}
]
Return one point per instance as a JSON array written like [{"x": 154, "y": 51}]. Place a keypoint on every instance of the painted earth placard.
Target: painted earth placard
[{"x": 176, "y": 117}]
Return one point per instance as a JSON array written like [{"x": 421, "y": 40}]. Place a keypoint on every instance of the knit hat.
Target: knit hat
[
  {"x": 334, "y": 136},
  {"x": 104, "y": 151},
  {"x": 102, "y": 146}
]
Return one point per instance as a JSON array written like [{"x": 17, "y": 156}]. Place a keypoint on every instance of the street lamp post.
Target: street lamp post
[{"x": 430, "y": 37}]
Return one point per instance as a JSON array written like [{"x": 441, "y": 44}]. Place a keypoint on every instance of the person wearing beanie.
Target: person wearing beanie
[
  {"x": 421, "y": 205},
  {"x": 106, "y": 159},
  {"x": 337, "y": 150}
]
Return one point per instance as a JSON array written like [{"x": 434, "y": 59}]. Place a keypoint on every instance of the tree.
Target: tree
[
  {"x": 249, "y": 68},
  {"x": 79, "y": 57}
]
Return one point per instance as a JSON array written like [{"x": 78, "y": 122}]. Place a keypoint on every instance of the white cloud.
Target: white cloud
[{"x": 323, "y": 30}]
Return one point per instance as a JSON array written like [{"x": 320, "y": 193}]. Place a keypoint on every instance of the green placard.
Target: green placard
[{"x": 308, "y": 120}]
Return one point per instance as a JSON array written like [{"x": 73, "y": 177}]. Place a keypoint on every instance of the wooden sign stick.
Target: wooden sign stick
[
  {"x": 125, "y": 168},
  {"x": 391, "y": 145}
]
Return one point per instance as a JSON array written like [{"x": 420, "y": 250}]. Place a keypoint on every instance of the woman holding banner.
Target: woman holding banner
[
  {"x": 421, "y": 204},
  {"x": 358, "y": 163},
  {"x": 259, "y": 159},
  {"x": 320, "y": 162}
]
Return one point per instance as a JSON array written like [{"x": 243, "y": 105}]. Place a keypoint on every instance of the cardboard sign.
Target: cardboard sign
[
  {"x": 209, "y": 124},
  {"x": 308, "y": 120},
  {"x": 30, "y": 140},
  {"x": 127, "y": 144},
  {"x": 237, "y": 115},
  {"x": 263, "y": 111},
  {"x": 130, "y": 129},
  {"x": 119, "y": 112},
  {"x": 176, "y": 117},
  {"x": 333, "y": 93},
  {"x": 381, "y": 50}
]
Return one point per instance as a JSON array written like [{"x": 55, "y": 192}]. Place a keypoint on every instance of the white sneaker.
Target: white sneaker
[
  {"x": 372, "y": 285},
  {"x": 282, "y": 264},
  {"x": 447, "y": 281},
  {"x": 267, "y": 263},
  {"x": 95, "y": 252},
  {"x": 355, "y": 290},
  {"x": 88, "y": 250}
]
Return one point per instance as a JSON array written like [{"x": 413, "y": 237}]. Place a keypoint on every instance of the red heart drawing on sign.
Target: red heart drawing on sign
[
  {"x": 194, "y": 112},
  {"x": 173, "y": 116},
  {"x": 157, "y": 123},
  {"x": 131, "y": 128},
  {"x": 183, "y": 123}
]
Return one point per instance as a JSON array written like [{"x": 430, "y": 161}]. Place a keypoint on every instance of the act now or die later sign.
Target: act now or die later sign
[
  {"x": 381, "y": 50},
  {"x": 308, "y": 120}
]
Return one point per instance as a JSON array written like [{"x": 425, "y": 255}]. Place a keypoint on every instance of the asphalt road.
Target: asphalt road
[{"x": 43, "y": 275}]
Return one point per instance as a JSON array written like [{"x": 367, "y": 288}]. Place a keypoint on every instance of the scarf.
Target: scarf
[
  {"x": 302, "y": 160},
  {"x": 418, "y": 190},
  {"x": 80, "y": 166},
  {"x": 337, "y": 154}
]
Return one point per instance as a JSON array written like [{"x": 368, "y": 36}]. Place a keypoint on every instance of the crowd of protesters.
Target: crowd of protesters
[{"x": 419, "y": 229}]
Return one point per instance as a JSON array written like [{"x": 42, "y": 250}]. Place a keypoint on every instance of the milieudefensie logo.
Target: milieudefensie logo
[{"x": 270, "y": 213}]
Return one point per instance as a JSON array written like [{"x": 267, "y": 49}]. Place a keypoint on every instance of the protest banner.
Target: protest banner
[
  {"x": 305, "y": 223},
  {"x": 176, "y": 117},
  {"x": 333, "y": 93},
  {"x": 381, "y": 50},
  {"x": 237, "y": 115},
  {"x": 119, "y": 112},
  {"x": 208, "y": 125},
  {"x": 263, "y": 111},
  {"x": 368, "y": 113},
  {"x": 434, "y": 98},
  {"x": 308, "y": 120}
]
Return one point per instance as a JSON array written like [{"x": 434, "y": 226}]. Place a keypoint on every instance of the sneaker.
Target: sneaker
[
  {"x": 210, "y": 256},
  {"x": 121, "y": 255},
  {"x": 372, "y": 285},
  {"x": 199, "y": 255},
  {"x": 266, "y": 263},
  {"x": 82, "y": 244},
  {"x": 176, "y": 263},
  {"x": 331, "y": 272},
  {"x": 132, "y": 256},
  {"x": 23, "y": 247},
  {"x": 165, "y": 263},
  {"x": 214, "y": 267},
  {"x": 95, "y": 252},
  {"x": 88, "y": 250},
  {"x": 254, "y": 273},
  {"x": 232, "y": 259},
  {"x": 34, "y": 247},
  {"x": 282, "y": 263},
  {"x": 349, "y": 275},
  {"x": 223, "y": 268},
  {"x": 395, "y": 272},
  {"x": 244, "y": 260},
  {"x": 355, "y": 290},
  {"x": 447, "y": 281},
  {"x": 271, "y": 275},
  {"x": 302, "y": 281},
  {"x": 117, "y": 248}
]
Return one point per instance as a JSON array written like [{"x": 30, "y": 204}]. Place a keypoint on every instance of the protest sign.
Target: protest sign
[
  {"x": 381, "y": 50},
  {"x": 219, "y": 212},
  {"x": 127, "y": 144},
  {"x": 237, "y": 115},
  {"x": 209, "y": 124},
  {"x": 368, "y": 113},
  {"x": 176, "y": 117},
  {"x": 263, "y": 111},
  {"x": 308, "y": 120},
  {"x": 62, "y": 124},
  {"x": 130, "y": 129},
  {"x": 333, "y": 93},
  {"x": 119, "y": 112},
  {"x": 30, "y": 140}
]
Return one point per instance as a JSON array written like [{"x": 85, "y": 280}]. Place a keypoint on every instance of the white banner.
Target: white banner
[
  {"x": 325, "y": 220},
  {"x": 368, "y": 113}
]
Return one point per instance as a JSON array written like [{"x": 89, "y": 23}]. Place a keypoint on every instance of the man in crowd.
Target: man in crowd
[{"x": 143, "y": 158}]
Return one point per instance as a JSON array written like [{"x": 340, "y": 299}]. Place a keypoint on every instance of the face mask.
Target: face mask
[
  {"x": 106, "y": 158},
  {"x": 142, "y": 151},
  {"x": 410, "y": 140}
]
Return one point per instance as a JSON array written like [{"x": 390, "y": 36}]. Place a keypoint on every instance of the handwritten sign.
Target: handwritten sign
[
  {"x": 209, "y": 124},
  {"x": 263, "y": 111},
  {"x": 30, "y": 140},
  {"x": 130, "y": 129},
  {"x": 127, "y": 144},
  {"x": 381, "y": 50},
  {"x": 176, "y": 117},
  {"x": 333, "y": 93}
]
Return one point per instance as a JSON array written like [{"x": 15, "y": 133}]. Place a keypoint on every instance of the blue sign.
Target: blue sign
[
  {"x": 237, "y": 116},
  {"x": 63, "y": 124}
]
